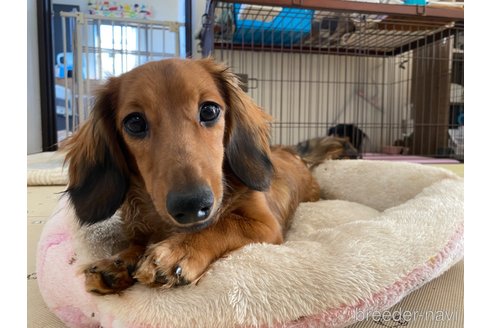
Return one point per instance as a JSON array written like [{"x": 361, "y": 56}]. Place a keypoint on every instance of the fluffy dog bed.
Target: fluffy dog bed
[{"x": 385, "y": 230}]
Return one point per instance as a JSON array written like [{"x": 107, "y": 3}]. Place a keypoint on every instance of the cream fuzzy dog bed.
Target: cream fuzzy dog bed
[{"x": 385, "y": 230}]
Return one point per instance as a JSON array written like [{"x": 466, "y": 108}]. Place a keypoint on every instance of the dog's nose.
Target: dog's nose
[{"x": 190, "y": 206}]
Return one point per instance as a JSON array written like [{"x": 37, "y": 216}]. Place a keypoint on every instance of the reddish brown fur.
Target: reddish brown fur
[
  {"x": 316, "y": 150},
  {"x": 233, "y": 158}
]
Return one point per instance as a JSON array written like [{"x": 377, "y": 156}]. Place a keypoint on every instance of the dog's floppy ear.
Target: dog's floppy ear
[
  {"x": 97, "y": 171},
  {"x": 246, "y": 138}
]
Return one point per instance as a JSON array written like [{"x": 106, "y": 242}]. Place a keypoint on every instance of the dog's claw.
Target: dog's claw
[
  {"x": 181, "y": 282},
  {"x": 160, "y": 278}
]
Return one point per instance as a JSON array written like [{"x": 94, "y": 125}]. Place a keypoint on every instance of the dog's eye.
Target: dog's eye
[
  {"x": 136, "y": 125},
  {"x": 209, "y": 113}
]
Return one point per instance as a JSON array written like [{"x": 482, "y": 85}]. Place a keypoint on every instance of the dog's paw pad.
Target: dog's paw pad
[
  {"x": 112, "y": 275},
  {"x": 102, "y": 280}
]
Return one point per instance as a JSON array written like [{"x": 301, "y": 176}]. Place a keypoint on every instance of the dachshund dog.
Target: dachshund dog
[
  {"x": 351, "y": 131},
  {"x": 315, "y": 150},
  {"x": 183, "y": 155}
]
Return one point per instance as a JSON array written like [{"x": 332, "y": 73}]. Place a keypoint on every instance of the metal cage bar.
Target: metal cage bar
[
  {"x": 312, "y": 66},
  {"x": 103, "y": 47}
]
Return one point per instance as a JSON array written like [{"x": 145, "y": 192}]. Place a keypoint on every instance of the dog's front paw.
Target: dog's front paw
[
  {"x": 173, "y": 262},
  {"x": 114, "y": 274}
]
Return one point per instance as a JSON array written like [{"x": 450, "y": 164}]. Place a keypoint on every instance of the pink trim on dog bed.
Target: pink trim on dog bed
[
  {"x": 390, "y": 296},
  {"x": 437, "y": 198}
]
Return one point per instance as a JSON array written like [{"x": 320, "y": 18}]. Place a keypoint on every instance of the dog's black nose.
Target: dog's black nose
[{"x": 191, "y": 205}]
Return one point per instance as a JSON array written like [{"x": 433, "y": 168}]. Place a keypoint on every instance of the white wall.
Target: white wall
[
  {"x": 166, "y": 9},
  {"x": 34, "y": 140},
  {"x": 162, "y": 9}
]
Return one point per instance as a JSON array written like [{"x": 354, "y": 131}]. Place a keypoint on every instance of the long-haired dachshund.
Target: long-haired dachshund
[
  {"x": 183, "y": 153},
  {"x": 314, "y": 150}
]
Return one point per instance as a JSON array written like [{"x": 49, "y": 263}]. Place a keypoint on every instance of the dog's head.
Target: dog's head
[{"x": 172, "y": 126}]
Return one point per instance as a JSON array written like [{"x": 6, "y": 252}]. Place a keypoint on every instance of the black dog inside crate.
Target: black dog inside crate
[{"x": 355, "y": 135}]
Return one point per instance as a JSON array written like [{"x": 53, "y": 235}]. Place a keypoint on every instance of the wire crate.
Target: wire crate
[{"x": 394, "y": 74}]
